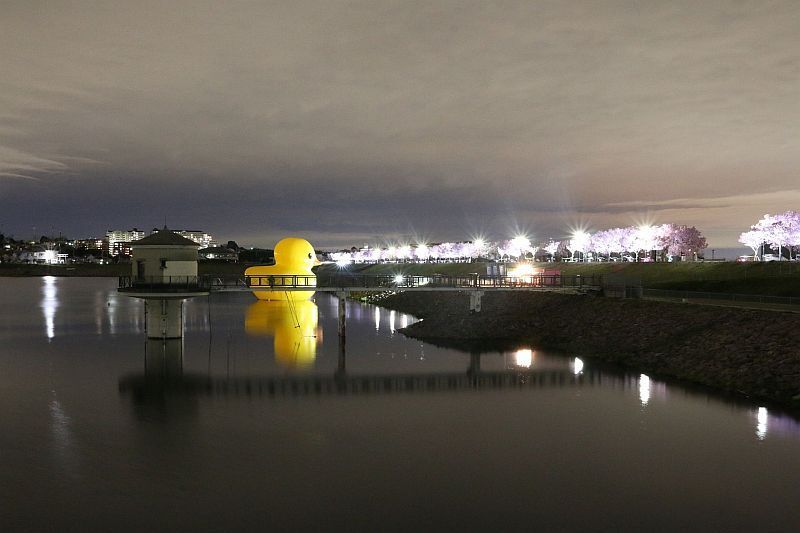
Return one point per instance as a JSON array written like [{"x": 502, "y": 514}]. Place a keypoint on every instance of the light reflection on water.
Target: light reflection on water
[
  {"x": 49, "y": 304},
  {"x": 762, "y": 420},
  {"x": 644, "y": 389}
]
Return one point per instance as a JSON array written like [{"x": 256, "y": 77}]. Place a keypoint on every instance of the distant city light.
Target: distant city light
[{"x": 399, "y": 279}]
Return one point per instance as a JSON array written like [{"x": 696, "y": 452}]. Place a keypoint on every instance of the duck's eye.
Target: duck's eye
[{"x": 309, "y": 256}]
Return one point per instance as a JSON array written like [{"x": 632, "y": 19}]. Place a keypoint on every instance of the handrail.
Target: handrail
[
  {"x": 399, "y": 281},
  {"x": 164, "y": 283},
  {"x": 356, "y": 281}
]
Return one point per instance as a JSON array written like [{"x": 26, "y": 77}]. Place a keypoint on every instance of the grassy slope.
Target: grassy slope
[{"x": 774, "y": 278}]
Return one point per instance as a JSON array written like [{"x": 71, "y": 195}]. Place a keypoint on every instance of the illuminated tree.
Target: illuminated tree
[
  {"x": 776, "y": 230},
  {"x": 515, "y": 248},
  {"x": 551, "y": 248},
  {"x": 681, "y": 240},
  {"x": 754, "y": 239}
]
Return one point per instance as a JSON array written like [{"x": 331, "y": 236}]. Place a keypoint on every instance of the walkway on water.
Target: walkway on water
[{"x": 360, "y": 283}]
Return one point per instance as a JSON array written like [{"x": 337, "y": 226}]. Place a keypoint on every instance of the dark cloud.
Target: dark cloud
[{"x": 350, "y": 120}]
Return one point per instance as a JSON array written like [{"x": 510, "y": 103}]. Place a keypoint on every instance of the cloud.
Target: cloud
[{"x": 438, "y": 113}]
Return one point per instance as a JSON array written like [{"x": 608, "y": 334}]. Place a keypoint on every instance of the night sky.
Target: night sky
[{"x": 352, "y": 122}]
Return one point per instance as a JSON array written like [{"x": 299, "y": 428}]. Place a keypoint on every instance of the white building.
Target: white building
[
  {"x": 205, "y": 240},
  {"x": 162, "y": 256},
  {"x": 41, "y": 255},
  {"x": 119, "y": 240}
]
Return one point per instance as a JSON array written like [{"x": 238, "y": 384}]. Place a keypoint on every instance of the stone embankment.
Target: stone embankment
[{"x": 755, "y": 353}]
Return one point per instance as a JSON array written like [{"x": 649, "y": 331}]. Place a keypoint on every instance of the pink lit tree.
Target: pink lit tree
[
  {"x": 681, "y": 240},
  {"x": 778, "y": 231}
]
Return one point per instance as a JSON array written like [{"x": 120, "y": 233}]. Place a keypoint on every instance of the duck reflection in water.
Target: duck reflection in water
[{"x": 293, "y": 325}]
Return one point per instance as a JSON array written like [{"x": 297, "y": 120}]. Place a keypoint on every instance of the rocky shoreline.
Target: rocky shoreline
[{"x": 749, "y": 352}]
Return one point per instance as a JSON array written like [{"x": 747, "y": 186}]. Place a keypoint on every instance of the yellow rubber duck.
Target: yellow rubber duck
[
  {"x": 292, "y": 324},
  {"x": 293, "y": 257}
]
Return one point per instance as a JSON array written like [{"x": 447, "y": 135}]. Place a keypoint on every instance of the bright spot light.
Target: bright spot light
[
  {"x": 521, "y": 271},
  {"x": 521, "y": 242},
  {"x": 399, "y": 279},
  {"x": 523, "y": 358},
  {"x": 342, "y": 262},
  {"x": 761, "y": 427},
  {"x": 577, "y": 366},
  {"x": 50, "y": 257},
  {"x": 580, "y": 241},
  {"x": 644, "y": 389},
  {"x": 479, "y": 242}
]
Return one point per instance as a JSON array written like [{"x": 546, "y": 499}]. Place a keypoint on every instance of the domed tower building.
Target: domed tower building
[{"x": 164, "y": 274}]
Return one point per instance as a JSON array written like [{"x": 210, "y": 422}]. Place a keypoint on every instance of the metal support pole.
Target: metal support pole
[
  {"x": 342, "y": 314},
  {"x": 341, "y": 366}
]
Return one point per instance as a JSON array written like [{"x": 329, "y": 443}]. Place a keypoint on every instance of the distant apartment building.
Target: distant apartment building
[
  {"x": 91, "y": 244},
  {"x": 119, "y": 241},
  {"x": 205, "y": 240}
]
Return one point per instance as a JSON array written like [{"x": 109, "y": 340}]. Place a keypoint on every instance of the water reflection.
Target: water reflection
[
  {"x": 391, "y": 321},
  {"x": 644, "y": 389},
  {"x": 156, "y": 394},
  {"x": 164, "y": 378},
  {"x": 377, "y": 318},
  {"x": 577, "y": 366},
  {"x": 49, "y": 305},
  {"x": 293, "y": 326},
  {"x": 762, "y": 418}
]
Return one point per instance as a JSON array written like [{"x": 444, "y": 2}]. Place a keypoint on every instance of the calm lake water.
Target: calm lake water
[{"x": 101, "y": 429}]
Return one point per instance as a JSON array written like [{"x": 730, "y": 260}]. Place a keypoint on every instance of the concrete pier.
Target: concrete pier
[{"x": 164, "y": 318}]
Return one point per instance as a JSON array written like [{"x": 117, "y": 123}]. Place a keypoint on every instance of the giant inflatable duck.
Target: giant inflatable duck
[
  {"x": 293, "y": 257},
  {"x": 293, "y": 326}
]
